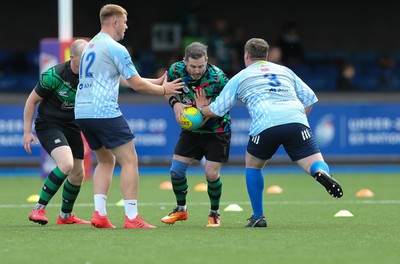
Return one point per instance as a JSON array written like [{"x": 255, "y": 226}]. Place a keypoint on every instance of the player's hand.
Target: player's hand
[
  {"x": 28, "y": 138},
  {"x": 173, "y": 87},
  {"x": 201, "y": 99},
  {"x": 161, "y": 79},
  {"x": 178, "y": 111}
]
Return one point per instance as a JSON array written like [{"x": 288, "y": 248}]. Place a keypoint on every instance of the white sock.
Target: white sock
[
  {"x": 131, "y": 208},
  {"x": 100, "y": 201},
  {"x": 65, "y": 215},
  {"x": 182, "y": 208},
  {"x": 40, "y": 206}
]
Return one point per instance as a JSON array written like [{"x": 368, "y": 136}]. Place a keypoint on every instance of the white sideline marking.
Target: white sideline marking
[{"x": 377, "y": 202}]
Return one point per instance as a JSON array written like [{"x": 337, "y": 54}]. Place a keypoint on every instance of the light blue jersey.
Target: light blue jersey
[
  {"x": 103, "y": 62},
  {"x": 273, "y": 94}
]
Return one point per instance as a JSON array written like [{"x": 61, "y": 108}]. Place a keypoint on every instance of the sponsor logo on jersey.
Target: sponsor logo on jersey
[{"x": 63, "y": 93}]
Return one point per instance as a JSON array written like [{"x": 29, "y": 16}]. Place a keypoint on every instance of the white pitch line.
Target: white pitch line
[{"x": 373, "y": 202}]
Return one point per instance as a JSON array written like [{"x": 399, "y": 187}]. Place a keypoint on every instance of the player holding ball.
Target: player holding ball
[{"x": 211, "y": 140}]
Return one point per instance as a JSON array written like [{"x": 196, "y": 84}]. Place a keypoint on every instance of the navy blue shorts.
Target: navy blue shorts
[
  {"x": 107, "y": 132},
  {"x": 297, "y": 139}
]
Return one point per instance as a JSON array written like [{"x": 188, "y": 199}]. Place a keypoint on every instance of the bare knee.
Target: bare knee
[
  {"x": 65, "y": 167},
  {"x": 105, "y": 157},
  {"x": 212, "y": 174},
  {"x": 76, "y": 177},
  {"x": 307, "y": 162}
]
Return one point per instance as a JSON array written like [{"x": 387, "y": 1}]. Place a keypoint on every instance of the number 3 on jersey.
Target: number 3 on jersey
[{"x": 273, "y": 79}]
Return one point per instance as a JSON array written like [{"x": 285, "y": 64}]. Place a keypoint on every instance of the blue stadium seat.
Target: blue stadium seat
[
  {"x": 8, "y": 83},
  {"x": 302, "y": 70},
  {"x": 367, "y": 82},
  {"x": 26, "y": 82}
]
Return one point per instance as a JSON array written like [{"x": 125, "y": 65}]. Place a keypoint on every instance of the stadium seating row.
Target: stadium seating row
[{"x": 19, "y": 70}]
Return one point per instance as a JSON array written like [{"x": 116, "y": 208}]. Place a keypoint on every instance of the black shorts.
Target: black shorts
[
  {"x": 213, "y": 146},
  {"x": 107, "y": 132},
  {"x": 297, "y": 139},
  {"x": 53, "y": 134}
]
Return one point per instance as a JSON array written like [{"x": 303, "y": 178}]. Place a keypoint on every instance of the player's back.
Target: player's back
[{"x": 274, "y": 95}]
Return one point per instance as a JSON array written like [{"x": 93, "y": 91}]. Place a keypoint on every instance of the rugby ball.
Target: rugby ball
[{"x": 193, "y": 118}]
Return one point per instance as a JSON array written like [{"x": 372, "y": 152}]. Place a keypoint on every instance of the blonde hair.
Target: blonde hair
[{"x": 110, "y": 10}]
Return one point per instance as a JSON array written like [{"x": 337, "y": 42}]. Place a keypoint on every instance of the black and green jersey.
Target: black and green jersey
[
  {"x": 212, "y": 82},
  {"x": 57, "y": 87}
]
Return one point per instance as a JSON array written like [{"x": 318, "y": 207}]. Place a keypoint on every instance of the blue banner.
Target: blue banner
[
  {"x": 357, "y": 130},
  {"x": 11, "y": 132}
]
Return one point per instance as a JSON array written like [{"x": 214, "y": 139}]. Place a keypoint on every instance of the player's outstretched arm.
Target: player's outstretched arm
[
  {"x": 142, "y": 85},
  {"x": 159, "y": 80}
]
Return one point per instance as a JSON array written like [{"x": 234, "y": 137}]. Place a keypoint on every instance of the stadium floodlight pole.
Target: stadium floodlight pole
[{"x": 64, "y": 20}]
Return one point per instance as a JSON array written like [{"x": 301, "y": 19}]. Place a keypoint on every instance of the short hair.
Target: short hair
[
  {"x": 196, "y": 50},
  {"x": 77, "y": 47},
  {"x": 257, "y": 48},
  {"x": 110, "y": 10}
]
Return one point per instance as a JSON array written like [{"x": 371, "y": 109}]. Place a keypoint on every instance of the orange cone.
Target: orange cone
[
  {"x": 274, "y": 189},
  {"x": 364, "y": 193},
  {"x": 166, "y": 185},
  {"x": 201, "y": 187}
]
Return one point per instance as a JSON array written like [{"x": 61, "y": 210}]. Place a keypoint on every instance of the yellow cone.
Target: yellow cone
[
  {"x": 166, "y": 185},
  {"x": 201, "y": 187},
  {"x": 120, "y": 203},
  {"x": 34, "y": 198},
  {"x": 364, "y": 193},
  {"x": 274, "y": 189}
]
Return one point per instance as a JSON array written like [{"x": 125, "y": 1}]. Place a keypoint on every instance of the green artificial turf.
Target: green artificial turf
[{"x": 301, "y": 228}]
